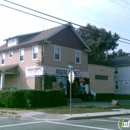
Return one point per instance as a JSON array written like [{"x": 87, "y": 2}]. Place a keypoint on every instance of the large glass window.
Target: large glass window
[
  {"x": 21, "y": 55},
  {"x": 35, "y": 52},
  {"x": 57, "y": 53},
  {"x": 78, "y": 57}
]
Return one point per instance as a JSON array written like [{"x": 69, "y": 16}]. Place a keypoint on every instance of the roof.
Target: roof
[
  {"x": 120, "y": 61},
  {"x": 44, "y": 36},
  {"x": 7, "y": 67}
]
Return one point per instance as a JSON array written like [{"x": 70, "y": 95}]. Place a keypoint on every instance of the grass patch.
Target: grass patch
[
  {"x": 126, "y": 106},
  {"x": 75, "y": 110}
]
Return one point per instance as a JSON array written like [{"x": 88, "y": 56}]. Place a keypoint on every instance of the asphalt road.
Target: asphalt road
[{"x": 110, "y": 123}]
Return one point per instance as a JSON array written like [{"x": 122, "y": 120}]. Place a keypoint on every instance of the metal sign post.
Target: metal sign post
[{"x": 71, "y": 78}]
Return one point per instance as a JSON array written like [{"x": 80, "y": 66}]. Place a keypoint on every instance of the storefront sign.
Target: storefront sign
[
  {"x": 33, "y": 71},
  {"x": 50, "y": 70}
]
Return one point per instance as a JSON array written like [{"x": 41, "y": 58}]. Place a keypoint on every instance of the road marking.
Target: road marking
[
  {"x": 28, "y": 123},
  {"x": 3, "y": 117},
  {"x": 82, "y": 126},
  {"x": 103, "y": 120},
  {"x": 120, "y": 118}
]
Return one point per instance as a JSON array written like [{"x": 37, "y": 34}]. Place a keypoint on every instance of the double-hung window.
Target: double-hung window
[
  {"x": 78, "y": 57},
  {"x": 10, "y": 54},
  {"x": 21, "y": 55},
  {"x": 116, "y": 85},
  {"x": 57, "y": 53},
  {"x": 116, "y": 71},
  {"x": 35, "y": 52},
  {"x": 3, "y": 58}
]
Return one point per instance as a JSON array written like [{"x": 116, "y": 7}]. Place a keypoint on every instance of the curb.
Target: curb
[{"x": 100, "y": 116}]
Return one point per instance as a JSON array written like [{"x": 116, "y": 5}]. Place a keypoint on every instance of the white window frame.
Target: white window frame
[
  {"x": 21, "y": 55},
  {"x": 10, "y": 53},
  {"x": 126, "y": 81},
  {"x": 2, "y": 58},
  {"x": 57, "y": 47},
  {"x": 79, "y": 52},
  {"x": 117, "y": 70},
  {"x": 33, "y": 52},
  {"x": 117, "y": 84}
]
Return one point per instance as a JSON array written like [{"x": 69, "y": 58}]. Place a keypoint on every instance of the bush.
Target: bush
[
  {"x": 122, "y": 96},
  {"x": 32, "y": 98}
]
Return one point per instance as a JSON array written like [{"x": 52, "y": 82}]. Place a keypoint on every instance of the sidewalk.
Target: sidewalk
[{"x": 30, "y": 114}]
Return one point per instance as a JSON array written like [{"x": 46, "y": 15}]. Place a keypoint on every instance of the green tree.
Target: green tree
[{"x": 100, "y": 42}]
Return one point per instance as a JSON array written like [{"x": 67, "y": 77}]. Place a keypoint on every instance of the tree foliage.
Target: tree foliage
[{"x": 99, "y": 41}]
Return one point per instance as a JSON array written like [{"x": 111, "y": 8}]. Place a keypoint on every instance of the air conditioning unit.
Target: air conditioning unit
[{"x": 17, "y": 73}]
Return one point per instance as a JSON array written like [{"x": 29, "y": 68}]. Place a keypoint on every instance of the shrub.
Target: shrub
[{"x": 32, "y": 98}]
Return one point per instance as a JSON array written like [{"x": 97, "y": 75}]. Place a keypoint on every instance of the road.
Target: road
[{"x": 110, "y": 123}]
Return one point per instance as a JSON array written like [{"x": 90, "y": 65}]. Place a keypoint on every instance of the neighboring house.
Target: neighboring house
[
  {"x": 122, "y": 74},
  {"x": 101, "y": 79},
  {"x": 25, "y": 58}
]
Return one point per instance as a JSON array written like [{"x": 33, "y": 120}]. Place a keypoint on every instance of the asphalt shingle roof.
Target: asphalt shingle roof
[{"x": 121, "y": 61}]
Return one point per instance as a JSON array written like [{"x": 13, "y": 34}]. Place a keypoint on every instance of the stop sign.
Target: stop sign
[{"x": 71, "y": 77}]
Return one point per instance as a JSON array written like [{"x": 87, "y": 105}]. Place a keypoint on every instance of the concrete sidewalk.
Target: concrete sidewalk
[{"x": 30, "y": 114}]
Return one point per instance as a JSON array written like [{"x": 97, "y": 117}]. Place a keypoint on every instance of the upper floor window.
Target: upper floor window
[
  {"x": 116, "y": 85},
  {"x": 12, "y": 42},
  {"x": 10, "y": 54},
  {"x": 3, "y": 58},
  {"x": 35, "y": 52},
  {"x": 78, "y": 57},
  {"x": 57, "y": 53},
  {"x": 116, "y": 70},
  {"x": 101, "y": 77},
  {"x": 21, "y": 55}
]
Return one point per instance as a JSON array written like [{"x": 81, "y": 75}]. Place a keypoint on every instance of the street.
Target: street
[{"x": 110, "y": 123}]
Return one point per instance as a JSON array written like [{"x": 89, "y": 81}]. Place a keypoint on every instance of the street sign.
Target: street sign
[{"x": 71, "y": 77}]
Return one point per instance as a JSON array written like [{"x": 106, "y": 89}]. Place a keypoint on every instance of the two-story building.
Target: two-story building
[
  {"x": 121, "y": 74},
  {"x": 25, "y": 58}
]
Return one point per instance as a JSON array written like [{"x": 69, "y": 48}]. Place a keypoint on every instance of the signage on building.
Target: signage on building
[
  {"x": 33, "y": 71},
  {"x": 50, "y": 70}
]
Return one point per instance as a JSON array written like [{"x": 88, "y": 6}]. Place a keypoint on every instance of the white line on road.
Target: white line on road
[
  {"x": 82, "y": 126},
  {"x": 103, "y": 120},
  {"x": 28, "y": 123},
  {"x": 3, "y": 117}
]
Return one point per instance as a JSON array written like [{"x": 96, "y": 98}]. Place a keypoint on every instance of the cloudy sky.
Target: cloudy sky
[{"x": 113, "y": 15}]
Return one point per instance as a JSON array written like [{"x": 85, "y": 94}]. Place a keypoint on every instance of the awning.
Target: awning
[{"x": 9, "y": 68}]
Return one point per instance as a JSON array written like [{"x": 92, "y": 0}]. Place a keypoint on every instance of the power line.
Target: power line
[{"x": 47, "y": 15}]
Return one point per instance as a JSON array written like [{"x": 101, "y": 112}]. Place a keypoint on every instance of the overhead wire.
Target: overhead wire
[{"x": 46, "y": 15}]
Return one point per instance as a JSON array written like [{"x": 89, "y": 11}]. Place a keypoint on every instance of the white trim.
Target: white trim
[
  {"x": 59, "y": 53},
  {"x": 33, "y": 52},
  {"x": 9, "y": 54},
  {"x": 20, "y": 55},
  {"x": 3, "y": 58},
  {"x": 76, "y": 51},
  {"x": 118, "y": 85},
  {"x": 117, "y": 69}
]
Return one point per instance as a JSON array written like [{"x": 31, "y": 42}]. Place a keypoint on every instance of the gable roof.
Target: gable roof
[
  {"x": 44, "y": 36},
  {"x": 120, "y": 61}
]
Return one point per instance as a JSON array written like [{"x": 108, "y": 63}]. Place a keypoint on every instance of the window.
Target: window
[
  {"x": 78, "y": 57},
  {"x": 10, "y": 54},
  {"x": 12, "y": 42},
  {"x": 21, "y": 55},
  {"x": 57, "y": 53},
  {"x": 116, "y": 70},
  {"x": 126, "y": 82},
  {"x": 3, "y": 58},
  {"x": 35, "y": 52},
  {"x": 101, "y": 77},
  {"x": 116, "y": 85}
]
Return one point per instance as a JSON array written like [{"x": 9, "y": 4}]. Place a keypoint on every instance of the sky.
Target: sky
[{"x": 113, "y": 15}]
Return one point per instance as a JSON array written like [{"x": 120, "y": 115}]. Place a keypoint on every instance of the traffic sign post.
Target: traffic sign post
[{"x": 71, "y": 78}]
